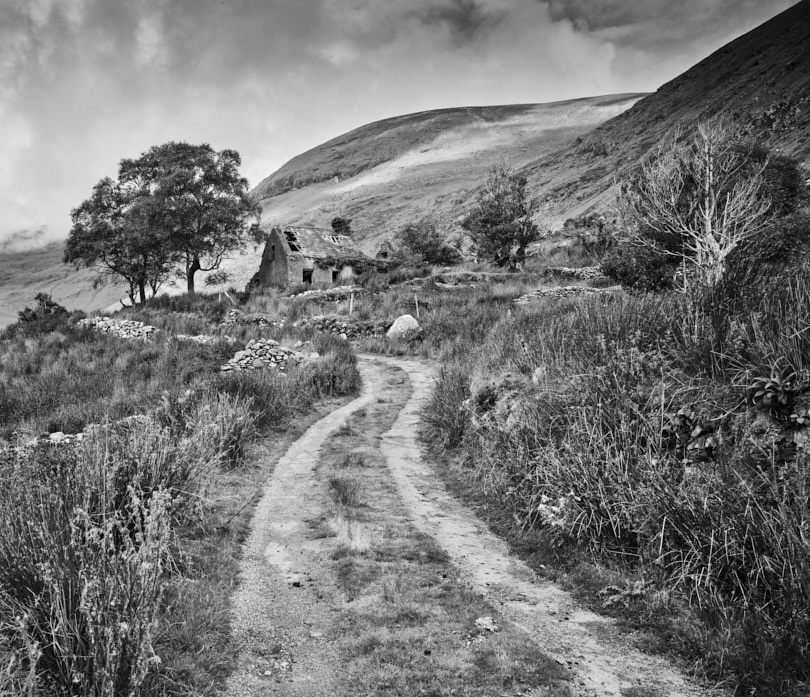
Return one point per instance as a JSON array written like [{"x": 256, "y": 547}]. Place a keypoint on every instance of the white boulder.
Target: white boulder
[{"x": 402, "y": 327}]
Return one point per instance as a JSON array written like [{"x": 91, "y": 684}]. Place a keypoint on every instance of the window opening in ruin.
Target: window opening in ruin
[
  {"x": 292, "y": 240},
  {"x": 307, "y": 276},
  {"x": 336, "y": 239},
  {"x": 335, "y": 275},
  {"x": 272, "y": 252}
]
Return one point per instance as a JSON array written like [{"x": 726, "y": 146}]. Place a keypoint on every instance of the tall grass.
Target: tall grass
[
  {"x": 67, "y": 379},
  {"x": 624, "y": 426},
  {"x": 81, "y": 563},
  {"x": 95, "y": 537}
]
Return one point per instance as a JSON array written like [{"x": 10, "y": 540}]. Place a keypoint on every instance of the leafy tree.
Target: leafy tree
[
  {"x": 117, "y": 231},
  {"x": 342, "y": 226},
  {"x": 202, "y": 203},
  {"x": 698, "y": 201},
  {"x": 500, "y": 223},
  {"x": 423, "y": 241}
]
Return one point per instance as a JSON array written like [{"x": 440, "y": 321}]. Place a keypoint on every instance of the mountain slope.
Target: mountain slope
[
  {"x": 760, "y": 82},
  {"x": 392, "y": 172}
]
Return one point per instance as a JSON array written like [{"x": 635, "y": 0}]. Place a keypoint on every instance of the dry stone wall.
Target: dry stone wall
[
  {"x": 584, "y": 273},
  {"x": 260, "y": 320},
  {"x": 341, "y": 325},
  {"x": 563, "y": 292}
]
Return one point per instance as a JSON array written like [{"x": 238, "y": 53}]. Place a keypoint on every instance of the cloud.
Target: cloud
[
  {"x": 664, "y": 23},
  {"x": 84, "y": 83},
  {"x": 465, "y": 20}
]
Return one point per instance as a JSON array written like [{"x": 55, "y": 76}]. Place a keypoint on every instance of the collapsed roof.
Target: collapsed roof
[{"x": 319, "y": 243}]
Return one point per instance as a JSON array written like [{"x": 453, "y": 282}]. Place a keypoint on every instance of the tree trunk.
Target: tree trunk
[
  {"x": 142, "y": 291},
  {"x": 191, "y": 269}
]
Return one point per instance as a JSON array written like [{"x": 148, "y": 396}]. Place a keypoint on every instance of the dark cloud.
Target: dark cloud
[
  {"x": 465, "y": 20},
  {"x": 663, "y": 22}
]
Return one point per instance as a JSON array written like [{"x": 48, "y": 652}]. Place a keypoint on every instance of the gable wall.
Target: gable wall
[{"x": 275, "y": 272}]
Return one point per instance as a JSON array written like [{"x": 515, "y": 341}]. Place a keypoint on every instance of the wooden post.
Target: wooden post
[
  {"x": 416, "y": 302},
  {"x": 351, "y": 303}
]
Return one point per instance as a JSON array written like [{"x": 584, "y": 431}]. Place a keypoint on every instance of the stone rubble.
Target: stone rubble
[
  {"x": 267, "y": 353},
  {"x": 62, "y": 438},
  {"x": 205, "y": 338},
  {"x": 562, "y": 292},
  {"x": 125, "y": 328}
]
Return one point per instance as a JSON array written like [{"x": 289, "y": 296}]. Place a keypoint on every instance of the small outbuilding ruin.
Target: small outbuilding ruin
[{"x": 298, "y": 254}]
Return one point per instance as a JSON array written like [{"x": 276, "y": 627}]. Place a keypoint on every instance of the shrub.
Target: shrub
[
  {"x": 639, "y": 268},
  {"x": 423, "y": 243},
  {"x": 46, "y": 316}
]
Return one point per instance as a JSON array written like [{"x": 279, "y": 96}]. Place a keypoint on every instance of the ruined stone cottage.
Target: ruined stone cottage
[{"x": 297, "y": 254}]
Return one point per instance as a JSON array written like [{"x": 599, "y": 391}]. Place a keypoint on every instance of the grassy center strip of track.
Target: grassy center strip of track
[{"x": 410, "y": 625}]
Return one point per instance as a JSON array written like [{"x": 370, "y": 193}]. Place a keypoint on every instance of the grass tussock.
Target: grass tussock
[{"x": 663, "y": 436}]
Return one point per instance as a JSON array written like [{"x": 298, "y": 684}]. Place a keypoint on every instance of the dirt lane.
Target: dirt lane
[
  {"x": 287, "y": 610},
  {"x": 283, "y": 607},
  {"x": 590, "y": 644}
]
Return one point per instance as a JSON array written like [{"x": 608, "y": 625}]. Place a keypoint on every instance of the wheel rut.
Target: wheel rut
[
  {"x": 286, "y": 611},
  {"x": 604, "y": 662}
]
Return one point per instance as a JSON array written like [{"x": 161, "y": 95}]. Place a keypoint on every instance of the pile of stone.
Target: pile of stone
[
  {"x": 266, "y": 353},
  {"x": 344, "y": 326},
  {"x": 562, "y": 292},
  {"x": 585, "y": 273},
  {"x": 125, "y": 328},
  {"x": 204, "y": 339},
  {"x": 336, "y": 294},
  {"x": 260, "y": 320}
]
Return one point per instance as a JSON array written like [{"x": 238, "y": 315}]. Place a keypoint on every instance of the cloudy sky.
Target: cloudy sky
[{"x": 84, "y": 83}]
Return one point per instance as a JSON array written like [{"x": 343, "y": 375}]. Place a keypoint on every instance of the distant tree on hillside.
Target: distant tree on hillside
[
  {"x": 203, "y": 205},
  {"x": 423, "y": 242},
  {"x": 118, "y": 231},
  {"x": 501, "y": 222},
  {"x": 342, "y": 226}
]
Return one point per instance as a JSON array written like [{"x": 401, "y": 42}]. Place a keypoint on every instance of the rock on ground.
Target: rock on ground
[{"x": 403, "y": 326}]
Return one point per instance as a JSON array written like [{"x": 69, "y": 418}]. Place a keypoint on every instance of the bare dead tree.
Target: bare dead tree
[{"x": 706, "y": 193}]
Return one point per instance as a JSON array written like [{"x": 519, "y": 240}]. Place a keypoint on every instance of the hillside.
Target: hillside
[
  {"x": 388, "y": 173},
  {"x": 26, "y": 273},
  {"x": 392, "y": 172}
]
